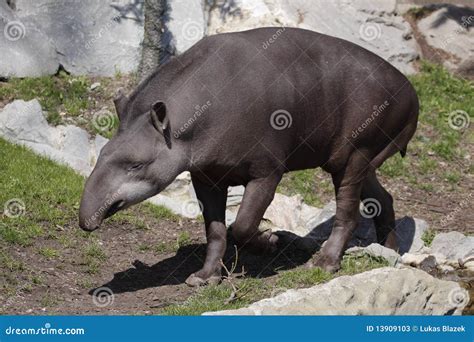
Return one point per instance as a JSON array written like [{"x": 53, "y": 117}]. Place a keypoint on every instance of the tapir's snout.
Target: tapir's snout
[
  {"x": 92, "y": 215},
  {"x": 89, "y": 218},
  {"x": 88, "y": 226}
]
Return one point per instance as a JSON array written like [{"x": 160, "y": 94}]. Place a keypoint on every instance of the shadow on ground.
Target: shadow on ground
[{"x": 293, "y": 252}]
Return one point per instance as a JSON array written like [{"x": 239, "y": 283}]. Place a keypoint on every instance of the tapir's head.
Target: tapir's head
[{"x": 137, "y": 163}]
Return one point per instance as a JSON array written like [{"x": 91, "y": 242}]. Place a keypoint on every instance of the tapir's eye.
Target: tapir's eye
[{"x": 135, "y": 167}]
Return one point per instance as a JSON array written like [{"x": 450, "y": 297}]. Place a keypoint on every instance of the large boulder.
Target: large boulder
[
  {"x": 24, "y": 123},
  {"x": 454, "y": 246},
  {"x": 449, "y": 29},
  {"x": 374, "y": 26},
  {"x": 93, "y": 37},
  {"x": 25, "y": 50},
  {"x": 186, "y": 22},
  {"x": 383, "y": 291}
]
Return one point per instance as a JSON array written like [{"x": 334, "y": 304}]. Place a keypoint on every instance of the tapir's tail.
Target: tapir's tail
[
  {"x": 399, "y": 144},
  {"x": 403, "y": 152}
]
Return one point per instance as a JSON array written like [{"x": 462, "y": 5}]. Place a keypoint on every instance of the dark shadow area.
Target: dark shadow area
[
  {"x": 188, "y": 259},
  {"x": 293, "y": 251},
  {"x": 132, "y": 11},
  {"x": 462, "y": 15},
  {"x": 363, "y": 236},
  {"x": 225, "y": 7}
]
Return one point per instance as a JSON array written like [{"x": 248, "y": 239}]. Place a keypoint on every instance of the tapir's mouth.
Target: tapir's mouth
[{"x": 116, "y": 206}]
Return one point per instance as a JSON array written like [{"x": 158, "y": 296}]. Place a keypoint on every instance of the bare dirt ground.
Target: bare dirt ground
[{"x": 143, "y": 281}]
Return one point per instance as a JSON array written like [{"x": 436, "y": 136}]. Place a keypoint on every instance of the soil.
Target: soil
[{"x": 142, "y": 282}]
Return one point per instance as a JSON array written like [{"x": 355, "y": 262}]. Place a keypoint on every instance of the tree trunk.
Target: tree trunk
[{"x": 152, "y": 48}]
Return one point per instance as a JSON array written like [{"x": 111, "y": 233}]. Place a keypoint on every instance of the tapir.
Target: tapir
[{"x": 244, "y": 108}]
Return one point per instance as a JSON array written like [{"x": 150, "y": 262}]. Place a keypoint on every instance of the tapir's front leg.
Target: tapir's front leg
[
  {"x": 213, "y": 201},
  {"x": 258, "y": 195}
]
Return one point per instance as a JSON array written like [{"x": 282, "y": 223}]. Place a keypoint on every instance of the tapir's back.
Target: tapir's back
[{"x": 258, "y": 81}]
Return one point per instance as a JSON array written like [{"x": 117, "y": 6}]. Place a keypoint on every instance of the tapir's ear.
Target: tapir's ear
[
  {"x": 120, "y": 101},
  {"x": 159, "y": 118}
]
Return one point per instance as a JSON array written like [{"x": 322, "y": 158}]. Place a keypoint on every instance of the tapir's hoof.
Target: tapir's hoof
[
  {"x": 325, "y": 263},
  {"x": 194, "y": 280},
  {"x": 391, "y": 241}
]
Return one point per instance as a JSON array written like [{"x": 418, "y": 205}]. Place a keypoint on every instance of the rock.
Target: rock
[
  {"x": 453, "y": 245},
  {"x": 95, "y": 85},
  {"x": 469, "y": 265},
  {"x": 377, "y": 250},
  {"x": 24, "y": 123},
  {"x": 448, "y": 29},
  {"x": 319, "y": 226},
  {"x": 375, "y": 26},
  {"x": 291, "y": 214},
  {"x": 445, "y": 268},
  {"x": 26, "y": 51},
  {"x": 383, "y": 291},
  {"x": 92, "y": 37},
  {"x": 186, "y": 24},
  {"x": 417, "y": 260},
  {"x": 234, "y": 195}
]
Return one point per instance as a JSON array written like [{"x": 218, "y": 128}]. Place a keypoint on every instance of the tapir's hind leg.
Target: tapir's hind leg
[
  {"x": 213, "y": 200},
  {"x": 348, "y": 184},
  {"x": 258, "y": 195},
  {"x": 373, "y": 193}
]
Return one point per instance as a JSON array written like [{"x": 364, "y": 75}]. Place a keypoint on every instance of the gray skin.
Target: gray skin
[{"x": 327, "y": 86}]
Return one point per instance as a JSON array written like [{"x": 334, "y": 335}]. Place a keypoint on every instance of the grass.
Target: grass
[
  {"x": 47, "y": 195},
  {"x": 49, "y": 253},
  {"x": 420, "y": 12},
  {"x": 44, "y": 195},
  {"x": 38, "y": 185},
  {"x": 56, "y": 94},
  {"x": 215, "y": 297},
  {"x": 93, "y": 257},
  {"x": 428, "y": 236},
  {"x": 313, "y": 185}
]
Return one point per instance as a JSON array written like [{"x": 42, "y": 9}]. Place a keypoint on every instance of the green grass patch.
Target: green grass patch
[
  {"x": 10, "y": 264},
  {"x": 441, "y": 94},
  {"x": 307, "y": 183},
  {"x": 47, "y": 194},
  {"x": 428, "y": 236},
  {"x": 216, "y": 297},
  {"x": 62, "y": 93},
  {"x": 93, "y": 257},
  {"x": 49, "y": 253}
]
